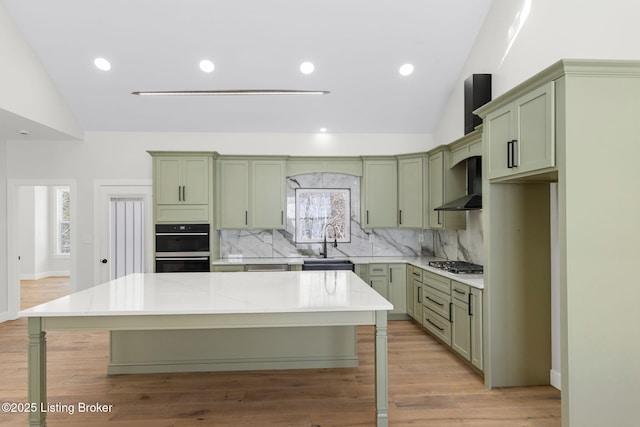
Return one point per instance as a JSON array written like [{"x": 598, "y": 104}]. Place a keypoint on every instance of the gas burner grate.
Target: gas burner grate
[{"x": 457, "y": 267}]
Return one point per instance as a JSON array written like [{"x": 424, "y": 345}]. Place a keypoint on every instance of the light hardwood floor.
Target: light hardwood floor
[{"x": 427, "y": 386}]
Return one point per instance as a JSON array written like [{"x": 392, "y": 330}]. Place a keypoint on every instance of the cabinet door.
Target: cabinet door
[
  {"x": 380, "y": 284},
  {"x": 436, "y": 190},
  {"x": 268, "y": 195},
  {"x": 499, "y": 134},
  {"x": 477, "y": 358},
  {"x": 461, "y": 329},
  {"x": 409, "y": 290},
  {"x": 195, "y": 181},
  {"x": 398, "y": 288},
  {"x": 234, "y": 194},
  {"x": 535, "y": 146},
  {"x": 380, "y": 194},
  {"x": 417, "y": 300},
  {"x": 410, "y": 190},
  {"x": 167, "y": 181}
]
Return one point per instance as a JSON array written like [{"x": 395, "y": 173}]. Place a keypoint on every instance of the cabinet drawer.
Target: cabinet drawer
[
  {"x": 416, "y": 273},
  {"x": 437, "y": 282},
  {"x": 439, "y": 327},
  {"x": 378, "y": 269},
  {"x": 460, "y": 291},
  {"x": 437, "y": 301}
]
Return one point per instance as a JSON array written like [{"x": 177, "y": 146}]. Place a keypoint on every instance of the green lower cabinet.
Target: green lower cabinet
[
  {"x": 477, "y": 349},
  {"x": 389, "y": 280},
  {"x": 461, "y": 329},
  {"x": 409, "y": 289},
  {"x": 437, "y": 325}
]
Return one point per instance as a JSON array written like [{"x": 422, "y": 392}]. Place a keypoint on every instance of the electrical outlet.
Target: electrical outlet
[
  {"x": 268, "y": 239},
  {"x": 371, "y": 238},
  {"x": 420, "y": 237}
]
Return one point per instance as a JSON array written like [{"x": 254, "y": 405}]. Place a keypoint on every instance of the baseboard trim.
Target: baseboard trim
[
  {"x": 230, "y": 365},
  {"x": 44, "y": 275},
  {"x": 555, "y": 379}
]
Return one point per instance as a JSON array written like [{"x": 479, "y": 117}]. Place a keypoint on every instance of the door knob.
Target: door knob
[{"x": 104, "y": 260}]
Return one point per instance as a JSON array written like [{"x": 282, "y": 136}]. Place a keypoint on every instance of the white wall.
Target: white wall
[
  {"x": 27, "y": 90},
  {"x": 554, "y": 29},
  {"x": 3, "y": 233}
]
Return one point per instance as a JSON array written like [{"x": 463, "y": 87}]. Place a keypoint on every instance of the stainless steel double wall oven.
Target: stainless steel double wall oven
[{"x": 182, "y": 248}]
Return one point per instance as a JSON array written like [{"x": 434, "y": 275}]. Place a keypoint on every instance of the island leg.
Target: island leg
[
  {"x": 37, "y": 366},
  {"x": 382, "y": 382}
]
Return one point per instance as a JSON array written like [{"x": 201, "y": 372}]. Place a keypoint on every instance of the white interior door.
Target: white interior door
[{"x": 124, "y": 231}]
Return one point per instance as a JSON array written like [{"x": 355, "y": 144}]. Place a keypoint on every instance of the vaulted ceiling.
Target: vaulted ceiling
[{"x": 356, "y": 46}]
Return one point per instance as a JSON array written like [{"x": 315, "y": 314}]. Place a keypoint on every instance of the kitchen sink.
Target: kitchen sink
[{"x": 327, "y": 264}]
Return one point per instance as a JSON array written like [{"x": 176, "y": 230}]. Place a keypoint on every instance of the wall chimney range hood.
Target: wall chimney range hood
[
  {"x": 477, "y": 92},
  {"x": 473, "y": 199}
]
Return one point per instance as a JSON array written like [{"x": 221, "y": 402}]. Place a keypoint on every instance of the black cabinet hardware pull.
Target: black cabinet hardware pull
[
  {"x": 513, "y": 153},
  {"x": 246, "y": 217},
  {"x": 509, "y": 154},
  {"x": 456, "y": 290},
  {"x": 450, "y": 312},
  {"x": 470, "y": 311},
  {"x": 179, "y": 193},
  {"x": 282, "y": 217},
  {"x": 184, "y": 193},
  {"x": 435, "y": 302},
  {"x": 416, "y": 274},
  {"x": 419, "y": 295},
  {"x": 390, "y": 275},
  {"x": 400, "y": 216},
  {"x": 367, "y": 216},
  {"x": 441, "y": 329}
]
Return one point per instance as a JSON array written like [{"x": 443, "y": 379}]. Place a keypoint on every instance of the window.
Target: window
[
  {"x": 63, "y": 221},
  {"x": 323, "y": 212}
]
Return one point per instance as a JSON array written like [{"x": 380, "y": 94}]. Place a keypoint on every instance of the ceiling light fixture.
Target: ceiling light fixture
[
  {"x": 207, "y": 66},
  {"x": 406, "y": 69},
  {"x": 323, "y": 130},
  {"x": 229, "y": 92},
  {"x": 102, "y": 64},
  {"x": 307, "y": 68}
]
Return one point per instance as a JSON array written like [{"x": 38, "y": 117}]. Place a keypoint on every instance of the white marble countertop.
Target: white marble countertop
[
  {"x": 475, "y": 280},
  {"x": 218, "y": 293}
]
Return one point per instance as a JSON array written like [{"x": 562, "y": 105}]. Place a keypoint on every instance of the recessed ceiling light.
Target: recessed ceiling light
[
  {"x": 323, "y": 130},
  {"x": 207, "y": 66},
  {"x": 406, "y": 69},
  {"x": 102, "y": 64},
  {"x": 307, "y": 67}
]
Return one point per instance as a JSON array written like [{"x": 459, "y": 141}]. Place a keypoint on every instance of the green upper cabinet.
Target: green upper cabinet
[
  {"x": 410, "y": 192},
  {"x": 268, "y": 194},
  {"x": 182, "y": 180},
  {"x": 234, "y": 194},
  {"x": 182, "y": 186},
  {"x": 444, "y": 184},
  {"x": 252, "y": 193},
  {"x": 520, "y": 135},
  {"x": 379, "y": 193}
]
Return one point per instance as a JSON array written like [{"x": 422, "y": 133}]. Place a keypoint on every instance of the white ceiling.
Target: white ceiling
[{"x": 357, "y": 47}]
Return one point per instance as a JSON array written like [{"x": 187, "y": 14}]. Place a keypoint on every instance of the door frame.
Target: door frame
[
  {"x": 103, "y": 191},
  {"x": 13, "y": 234}
]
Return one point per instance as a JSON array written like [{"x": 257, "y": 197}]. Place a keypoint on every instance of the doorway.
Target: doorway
[
  {"x": 50, "y": 251},
  {"x": 124, "y": 237}
]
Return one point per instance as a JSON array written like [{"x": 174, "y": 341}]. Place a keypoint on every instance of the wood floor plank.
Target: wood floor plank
[{"x": 428, "y": 386}]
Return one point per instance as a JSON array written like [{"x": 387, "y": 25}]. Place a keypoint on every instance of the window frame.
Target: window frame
[{"x": 322, "y": 225}]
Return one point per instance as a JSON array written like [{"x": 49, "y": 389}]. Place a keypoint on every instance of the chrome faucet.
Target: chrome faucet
[{"x": 324, "y": 252}]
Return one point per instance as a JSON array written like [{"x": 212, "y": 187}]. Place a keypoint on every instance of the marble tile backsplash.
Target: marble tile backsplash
[{"x": 460, "y": 245}]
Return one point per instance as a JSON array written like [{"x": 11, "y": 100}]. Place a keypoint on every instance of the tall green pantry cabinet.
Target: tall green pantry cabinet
[{"x": 581, "y": 130}]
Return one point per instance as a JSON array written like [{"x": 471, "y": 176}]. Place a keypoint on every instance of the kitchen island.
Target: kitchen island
[{"x": 212, "y": 301}]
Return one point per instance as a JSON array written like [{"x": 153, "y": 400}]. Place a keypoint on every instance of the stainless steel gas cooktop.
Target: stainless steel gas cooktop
[{"x": 457, "y": 267}]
